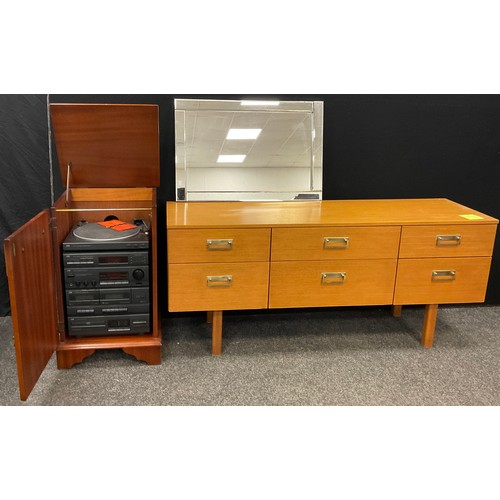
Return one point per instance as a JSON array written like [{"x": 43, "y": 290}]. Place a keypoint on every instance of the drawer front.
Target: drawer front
[
  {"x": 447, "y": 241},
  {"x": 218, "y": 245},
  {"x": 442, "y": 281},
  {"x": 333, "y": 283},
  {"x": 333, "y": 243},
  {"x": 217, "y": 287}
]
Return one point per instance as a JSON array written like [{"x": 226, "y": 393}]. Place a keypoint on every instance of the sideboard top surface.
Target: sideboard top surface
[{"x": 322, "y": 213}]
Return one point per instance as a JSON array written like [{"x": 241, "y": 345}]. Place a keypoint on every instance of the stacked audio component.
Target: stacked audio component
[{"x": 106, "y": 279}]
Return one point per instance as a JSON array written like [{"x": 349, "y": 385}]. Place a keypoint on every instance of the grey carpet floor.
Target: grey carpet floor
[{"x": 352, "y": 356}]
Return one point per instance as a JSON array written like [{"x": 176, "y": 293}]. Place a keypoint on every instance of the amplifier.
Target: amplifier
[{"x": 106, "y": 277}]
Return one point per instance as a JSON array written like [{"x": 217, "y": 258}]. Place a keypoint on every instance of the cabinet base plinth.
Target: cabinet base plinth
[
  {"x": 151, "y": 354},
  {"x": 144, "y": 348},
  {"x": 67, "y": 359}
]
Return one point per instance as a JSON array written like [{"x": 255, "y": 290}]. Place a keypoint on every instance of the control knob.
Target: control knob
[{"x": 138, "y": 274}]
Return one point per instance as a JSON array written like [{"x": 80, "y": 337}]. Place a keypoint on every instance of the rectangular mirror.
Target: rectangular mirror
[{"x": 229, "y": 150}]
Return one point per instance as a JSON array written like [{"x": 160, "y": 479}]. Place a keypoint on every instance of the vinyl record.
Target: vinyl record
[{"x": 95, "y": 232}]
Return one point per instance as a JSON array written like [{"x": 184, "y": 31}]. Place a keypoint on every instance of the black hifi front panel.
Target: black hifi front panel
[
  {"x": 106, "y": 277},
  {"x": 107, "y": 281},
  {"x": 90, "y": 326}
]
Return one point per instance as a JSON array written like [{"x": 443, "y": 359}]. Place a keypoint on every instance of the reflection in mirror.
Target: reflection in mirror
[{"x": 248, "y": 150}]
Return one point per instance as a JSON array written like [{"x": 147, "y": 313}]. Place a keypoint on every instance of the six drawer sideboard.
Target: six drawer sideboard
[{"x": 258, "y": 255}]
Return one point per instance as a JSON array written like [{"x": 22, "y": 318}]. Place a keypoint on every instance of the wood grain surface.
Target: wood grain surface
[
  {"x": 189, "y": 290},
  {"x": 107, "y": 145},
  {"x": 362, "y": 243},
  {"x": 474, "y": 241},
  {"x": 190, "y": 245},
  {"x": 414, "y": 283},
  {"x": 30, "y": 270},
  {"x": 299, "y": 284},
  {"x": 427, "y": 211}
]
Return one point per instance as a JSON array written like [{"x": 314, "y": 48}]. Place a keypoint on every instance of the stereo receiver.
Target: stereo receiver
[{"x": 106, "y": 277}]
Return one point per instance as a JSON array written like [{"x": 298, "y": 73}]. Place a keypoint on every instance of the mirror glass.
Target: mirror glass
[{"x": 248, "y": 150}]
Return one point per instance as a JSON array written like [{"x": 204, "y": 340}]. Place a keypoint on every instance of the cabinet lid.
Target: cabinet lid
[{"x": 107, "y": 145}]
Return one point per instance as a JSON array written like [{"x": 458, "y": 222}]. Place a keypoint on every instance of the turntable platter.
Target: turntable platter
[{"x": 95, "y": 232}]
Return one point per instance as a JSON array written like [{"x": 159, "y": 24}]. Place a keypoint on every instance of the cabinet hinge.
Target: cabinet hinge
[
  {"x": 53, "y": 223},
  {"x": 60, "y": 330},
  {"x": 14, "y": 249}
]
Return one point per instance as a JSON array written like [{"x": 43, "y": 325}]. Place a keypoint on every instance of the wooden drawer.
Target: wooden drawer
[
  {"x": 442, "y": 281},
  {"x": 447, "y": 241},
  {"x": 218, "y": 245},
  {"x": 333, "y": 283},
  {"x": 217, "y": 287},
  {"x": 332, "y": 243}
]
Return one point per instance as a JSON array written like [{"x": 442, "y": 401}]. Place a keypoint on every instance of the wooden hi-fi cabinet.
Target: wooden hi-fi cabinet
[{"x": 109, "y": 157}]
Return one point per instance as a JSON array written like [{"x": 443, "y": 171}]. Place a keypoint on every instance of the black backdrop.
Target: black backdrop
[
  {"x": 375, "y": 146},
  {"x": 24, "y": 169}
]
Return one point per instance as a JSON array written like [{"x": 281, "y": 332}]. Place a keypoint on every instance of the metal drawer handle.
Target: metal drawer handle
[
  {"x": 444, "y": 275},
  {"x": 448, "y": 240},
  {"x": 223, "y": 245},
  {"x": 336, "y": 243},
  {"x": 333, "y": 278},
  {"x": 220, "y": 281}
]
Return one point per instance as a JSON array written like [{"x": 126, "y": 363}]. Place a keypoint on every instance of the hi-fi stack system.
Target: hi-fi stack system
[{"x": 106, "y": 278}]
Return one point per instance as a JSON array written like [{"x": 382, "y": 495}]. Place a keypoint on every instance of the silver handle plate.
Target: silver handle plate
[
  {"x": 333, "y": 278},
  {"x": 336, "y": 243},
  {"x": 219, "y": 245},
  {"x": 444, "y": 275},
  {"x": 448, "y": 240},
  {"x": 219, "y": 281}
]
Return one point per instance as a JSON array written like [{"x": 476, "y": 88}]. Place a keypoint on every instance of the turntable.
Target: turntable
[{"x": 94, "y": 236}]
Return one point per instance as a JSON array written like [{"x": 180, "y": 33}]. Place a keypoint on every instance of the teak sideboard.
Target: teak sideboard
[{"x": 259, "y": 255}]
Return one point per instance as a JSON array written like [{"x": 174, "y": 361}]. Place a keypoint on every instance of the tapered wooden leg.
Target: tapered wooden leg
[
  {"x": 210, "y": 315},
  {"x": 396, "y": 311},
  {"x": 217, "y": 333},
  {"x": 429, "y": 325}
]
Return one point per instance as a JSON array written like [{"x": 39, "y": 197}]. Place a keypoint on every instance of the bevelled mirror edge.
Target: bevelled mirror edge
[{"x": 237, "y": 150}]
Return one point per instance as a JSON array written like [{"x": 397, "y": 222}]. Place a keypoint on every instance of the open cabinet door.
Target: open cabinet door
[{"x": 30, "y": 270}]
